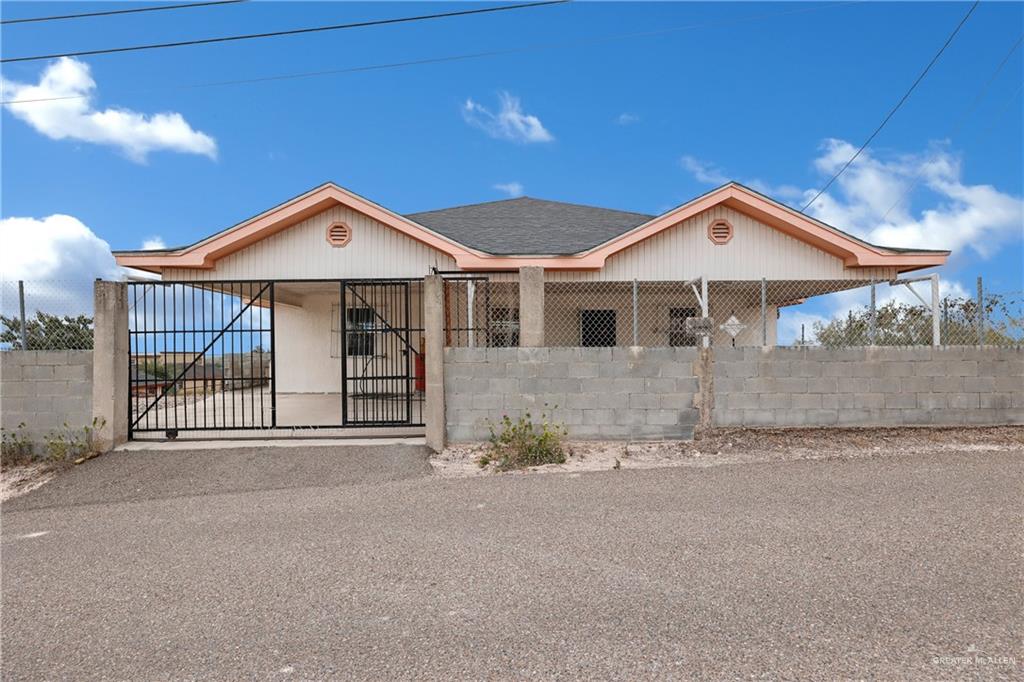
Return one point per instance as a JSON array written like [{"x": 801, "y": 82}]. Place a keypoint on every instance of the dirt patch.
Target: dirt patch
[
  {"x": 19, "y": 479},
  {"x": 714, "y": 447}
]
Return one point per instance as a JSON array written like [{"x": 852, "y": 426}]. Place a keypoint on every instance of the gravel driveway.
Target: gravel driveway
[{"x": 302, "y": 566}]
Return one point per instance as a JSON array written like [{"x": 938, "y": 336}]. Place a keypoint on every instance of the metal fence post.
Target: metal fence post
[
  {"x": 981, "y": 314},
  {"x": 636, "y": 319},
  {"x": 764, "y": 311},
  {"x": 945, "y": 319},
  {"x": 705, "y": 309},
  {"x": 21, "y": 311},
  {"x": 936, "y": 333},
  {"x": 873, "y": 319},
  {"x": 470, "y": 305}
]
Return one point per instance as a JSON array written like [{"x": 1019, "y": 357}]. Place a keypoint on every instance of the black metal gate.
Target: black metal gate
[
  {"x": 200, "y": 356},
  {"x": 383, "y": 370},
  {"x": 203, "y": 356}
]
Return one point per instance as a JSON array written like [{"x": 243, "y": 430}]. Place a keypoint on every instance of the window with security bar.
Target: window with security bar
[
  {"x": 360, "y": 340},
  {"x": 504, "y": 326},
  {"x": 597, "y": 328},
  {"x": 678, "y": 332}
]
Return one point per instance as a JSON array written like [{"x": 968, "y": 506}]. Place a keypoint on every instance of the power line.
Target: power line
[
  {"x": 896, "y": 108},
  {"x": 120, "y": 11},
  {"x": 955, "y": 129},
  {"x": 999, "y": 113},
  {"x": 460, "y": 57},
  {"x": 296, "y": 31}
]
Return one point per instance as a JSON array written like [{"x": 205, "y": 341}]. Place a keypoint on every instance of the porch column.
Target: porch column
[
  {"x": 531, "y": 306},
  {"x": 110, "y": 363},
  {"x": 433, "y": 335}
]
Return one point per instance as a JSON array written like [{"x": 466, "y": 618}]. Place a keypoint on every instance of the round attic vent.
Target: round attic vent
[
  {"x": 720, "y": 231},
  {"x": 339, "y": 234}
]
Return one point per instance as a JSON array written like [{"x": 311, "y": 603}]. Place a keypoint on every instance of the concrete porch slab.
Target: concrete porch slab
[{"x": 236, "y": 443}]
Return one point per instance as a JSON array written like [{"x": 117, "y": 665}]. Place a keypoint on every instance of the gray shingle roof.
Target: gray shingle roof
[{"x": 527, "y": 226}]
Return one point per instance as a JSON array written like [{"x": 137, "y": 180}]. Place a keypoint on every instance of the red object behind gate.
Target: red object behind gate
[{"x": 421, "y": 368}]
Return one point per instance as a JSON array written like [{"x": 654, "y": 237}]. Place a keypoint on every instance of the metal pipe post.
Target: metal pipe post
[
  {"x": 705, "y": 309},
  {"x": 21, "y": 311},
  {"x": 873, "y": 319},
  {"x": 764, "y": 312},
  {"x": 636, "y": 319},
  {"x": 981, "y": 314}
]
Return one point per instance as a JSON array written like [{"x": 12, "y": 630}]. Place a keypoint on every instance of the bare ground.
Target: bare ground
[
  {"x": 710, "y": 448},
  {"x": 736, "y": 445},
  {"x": 19, "y": 479}
]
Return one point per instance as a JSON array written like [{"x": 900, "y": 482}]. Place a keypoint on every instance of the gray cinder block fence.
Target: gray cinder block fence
[
  {"x": 868, "y": 386},
  {"x": 651, "y": 393},
  {"x": 615, "y": 393},
  {"x": 45, "y": 389}
]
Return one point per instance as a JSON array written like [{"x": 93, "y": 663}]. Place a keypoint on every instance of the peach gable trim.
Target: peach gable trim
[
  {"x": 204, "y": 254},
  {"x": 852, "y": 252}
]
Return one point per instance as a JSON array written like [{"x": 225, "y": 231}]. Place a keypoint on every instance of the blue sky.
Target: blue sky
[{"x": 768, "y": 94}]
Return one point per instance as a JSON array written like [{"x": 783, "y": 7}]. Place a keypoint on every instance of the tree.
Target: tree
[
  {"x": 902, "y": 324},
  {"x": 49, "y": 332}
]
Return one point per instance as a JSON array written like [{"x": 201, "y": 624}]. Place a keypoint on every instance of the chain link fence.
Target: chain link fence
[
  {"x": 481, "y": 311},
  {"x": 598, "y": 314},
  {"x": 912, "y": 311},
  {"x": 46, "y": 315}
]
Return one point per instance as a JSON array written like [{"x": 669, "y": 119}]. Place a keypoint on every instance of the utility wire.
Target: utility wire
[
  {"x": 896, "y": 108},
  {"x": 120, "y": 11},
  {"x": 999, "y": 113},
  {"x": 955, "y": 130},
  {"x": 458, "y": 57},
  {"x": 296, "y": 31}
]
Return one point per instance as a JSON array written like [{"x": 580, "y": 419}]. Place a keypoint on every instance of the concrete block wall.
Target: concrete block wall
[
  {"x": 45, "y": 389},
  {"x": 868, "y": 386},
  {"x": 600, "y": 393}
]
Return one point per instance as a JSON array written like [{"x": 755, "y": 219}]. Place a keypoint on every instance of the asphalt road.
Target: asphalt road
[{"x": 893, "y": 567}]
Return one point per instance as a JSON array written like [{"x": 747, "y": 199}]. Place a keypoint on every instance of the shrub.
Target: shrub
[
  {"x": 15, "y": 446},
  {"x": 70, "y": 444},
  {"x": 522, "y": 443}
]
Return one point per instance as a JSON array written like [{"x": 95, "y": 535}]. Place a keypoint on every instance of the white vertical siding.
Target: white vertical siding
[
  {"x": 302, "y": 252},
  {"x": 756, "y": 250},
  {"x": 681, "y": 252}
]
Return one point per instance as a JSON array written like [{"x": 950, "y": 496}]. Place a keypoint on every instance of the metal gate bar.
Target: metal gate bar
[
  {"x": 202, "y": 355},
  {"x": 200, "y": 360},
  {"x": 380, "y": 354}
]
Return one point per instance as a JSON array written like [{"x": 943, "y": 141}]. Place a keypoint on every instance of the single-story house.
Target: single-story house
[{"x": 338, "y": 280}]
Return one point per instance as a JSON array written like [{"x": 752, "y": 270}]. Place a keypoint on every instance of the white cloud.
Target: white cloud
[
  {"x": 58, "y": 247},
  {"x": 135, "y": 134},
  {"x": 154, "y": 243},
  {"x": 703, "y": 171},
  {"x": 626, "y": 118},
  {"x": 513, "y": 189},
  {"x": 960, "y": 216},
  {"x": 780, "y": 192},
  {"x": 871, "y": 199},
  {"x": 710, "y": 174},
  {"x": 510, "y": 123},
  {"x": 58, "y": 258}
]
